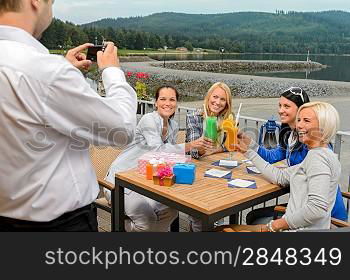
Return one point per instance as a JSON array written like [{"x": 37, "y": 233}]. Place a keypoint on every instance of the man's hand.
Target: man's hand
[
  {"x": 108, "y": 58},
  {"x": 77, "y": 58}
]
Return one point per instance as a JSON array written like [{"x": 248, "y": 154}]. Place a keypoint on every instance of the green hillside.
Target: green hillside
[
  {"x": 234, "y": 24},
  {"x": 281, "y": 32}
]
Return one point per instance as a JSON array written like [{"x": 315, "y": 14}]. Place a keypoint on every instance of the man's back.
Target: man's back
[{"x": 48, "y": 117}]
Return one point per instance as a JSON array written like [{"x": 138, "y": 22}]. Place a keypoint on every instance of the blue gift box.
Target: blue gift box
[{"x": 184, "y": 173}]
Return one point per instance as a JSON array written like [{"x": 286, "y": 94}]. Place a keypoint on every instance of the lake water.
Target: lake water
[{"x": 338, "y": 66}]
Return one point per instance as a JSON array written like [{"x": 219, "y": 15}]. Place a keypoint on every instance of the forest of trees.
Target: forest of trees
[
  {"x": 281, "y": 32},
  {"x": 65, "y": 35}
]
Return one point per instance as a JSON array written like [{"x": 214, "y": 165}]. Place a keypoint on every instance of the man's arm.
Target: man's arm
[{"x": 74, "y": 109}]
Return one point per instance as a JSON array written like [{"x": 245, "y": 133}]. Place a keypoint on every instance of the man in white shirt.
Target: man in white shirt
[{"x": 48, "y": 117}]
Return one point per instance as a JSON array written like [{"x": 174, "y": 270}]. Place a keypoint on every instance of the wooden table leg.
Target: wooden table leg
[{"x": 118, "y": 209}]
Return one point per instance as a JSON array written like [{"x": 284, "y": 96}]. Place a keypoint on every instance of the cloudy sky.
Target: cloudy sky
[{"x": 83, "y": 11}]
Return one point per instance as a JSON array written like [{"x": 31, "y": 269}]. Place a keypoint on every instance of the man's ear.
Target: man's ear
[{"x": 35, "y": 4}]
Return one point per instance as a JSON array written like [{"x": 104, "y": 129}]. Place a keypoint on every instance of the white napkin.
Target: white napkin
[
  {"x": 217, "y": 172},
  {"x": 241, "y": 183},
  {"x": 230, "y": 163},
  {"x": 254, "y": 169}
]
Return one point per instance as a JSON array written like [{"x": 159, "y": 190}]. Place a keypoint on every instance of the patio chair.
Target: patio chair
[
  {"x": 335, "y": 222},
  {"x": 336, "y": 225},
  {"x": 181, "y": 136},
  {"x": 102, "y": 158}
]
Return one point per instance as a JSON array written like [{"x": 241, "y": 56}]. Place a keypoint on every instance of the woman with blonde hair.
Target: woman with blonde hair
[
  {"x": 289, "y": 149},
  {"x": 218, "y": 103},
  {"x": 313, "y": 182}
]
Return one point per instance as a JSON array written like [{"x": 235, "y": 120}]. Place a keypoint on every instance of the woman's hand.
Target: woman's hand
[
  {"x": 203, "y": 145},
  {"x": 243, "y": 142}
]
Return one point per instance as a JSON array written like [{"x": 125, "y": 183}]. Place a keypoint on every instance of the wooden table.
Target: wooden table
[{"x": 208, "y": 199}]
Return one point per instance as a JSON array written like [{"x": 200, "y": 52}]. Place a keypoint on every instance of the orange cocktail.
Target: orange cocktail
[{"x": 229, "y": 126}]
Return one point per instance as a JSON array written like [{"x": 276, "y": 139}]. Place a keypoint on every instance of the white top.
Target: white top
[
  {"x": 313, "y": 186},
  {"x": 48, "y": 117},
  {"x": 148, "y": 137}
]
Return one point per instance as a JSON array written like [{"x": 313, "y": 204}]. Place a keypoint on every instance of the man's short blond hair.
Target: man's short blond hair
[
  {"x": 328, "y": 119},
  {"x": 10, "y": 5}
]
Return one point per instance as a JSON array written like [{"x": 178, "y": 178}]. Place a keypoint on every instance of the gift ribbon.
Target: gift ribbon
[{"x": 164, "y": 172}]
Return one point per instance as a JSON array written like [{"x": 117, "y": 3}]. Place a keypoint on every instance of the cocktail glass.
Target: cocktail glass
[
  {"x": 231, "y": 130},
  {"x": 211, "y": 129}
]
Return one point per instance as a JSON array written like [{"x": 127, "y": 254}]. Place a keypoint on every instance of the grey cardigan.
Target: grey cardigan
[
  {"x": 148, "y": 137},
  {"x": 313, "y": 186}
]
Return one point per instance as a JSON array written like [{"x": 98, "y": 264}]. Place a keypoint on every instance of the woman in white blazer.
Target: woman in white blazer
[{"x": 155, "y": 131}]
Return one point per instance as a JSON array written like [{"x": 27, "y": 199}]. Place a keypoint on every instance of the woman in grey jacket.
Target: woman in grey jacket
[
  {"x": 156, "y": 131},
  {"x": 313, "y": 183}
]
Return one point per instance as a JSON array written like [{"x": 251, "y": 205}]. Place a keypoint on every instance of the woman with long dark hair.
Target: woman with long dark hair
[{"x": 156, "y": 131}]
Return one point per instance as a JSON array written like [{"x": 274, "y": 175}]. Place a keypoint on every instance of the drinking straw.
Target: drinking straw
[
  {"x": 205, "y": 111},
  {"x": 239, "y": 110}
]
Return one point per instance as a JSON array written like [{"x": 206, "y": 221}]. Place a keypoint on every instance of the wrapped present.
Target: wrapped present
[
  {"x": 166, "y": 181},
  {"x": 184, "y": 173},
  {"x": 164, "y": 177},
  {"x": 169, "y": 159}
]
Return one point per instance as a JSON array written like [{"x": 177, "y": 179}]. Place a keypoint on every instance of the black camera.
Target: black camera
[{"x": 92, "y": 52}]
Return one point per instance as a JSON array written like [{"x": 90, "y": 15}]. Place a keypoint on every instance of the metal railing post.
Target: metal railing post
[{"x": 337, "y": 144}]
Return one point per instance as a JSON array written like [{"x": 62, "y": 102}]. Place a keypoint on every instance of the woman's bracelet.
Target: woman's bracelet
[{"x": 270, "y": 228}]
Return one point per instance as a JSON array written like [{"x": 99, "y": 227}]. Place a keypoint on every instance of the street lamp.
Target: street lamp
[
  {"x": 222, "y": 50},
  {"x": 165, "y": 48},
  {"x": 60, "y": 48}
]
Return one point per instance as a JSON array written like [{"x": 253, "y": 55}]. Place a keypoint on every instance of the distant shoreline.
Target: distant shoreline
[
  {"x": 241, "y": 66},
  {"x": 194, "y": 84}
]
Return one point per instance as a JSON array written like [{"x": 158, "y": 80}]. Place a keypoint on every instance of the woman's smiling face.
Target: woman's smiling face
[
  {"x": 166, "y": 102},
  {"x": 288, "y": 111},
  {"x": 308, "y": 129},
  {"x": 217, "y": 101}
]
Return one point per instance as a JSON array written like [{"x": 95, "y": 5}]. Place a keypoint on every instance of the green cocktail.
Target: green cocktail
[{"x": 211, "y": 130}]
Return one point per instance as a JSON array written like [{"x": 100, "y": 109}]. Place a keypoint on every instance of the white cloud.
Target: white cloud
[{"x": 83, "y": 11}]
